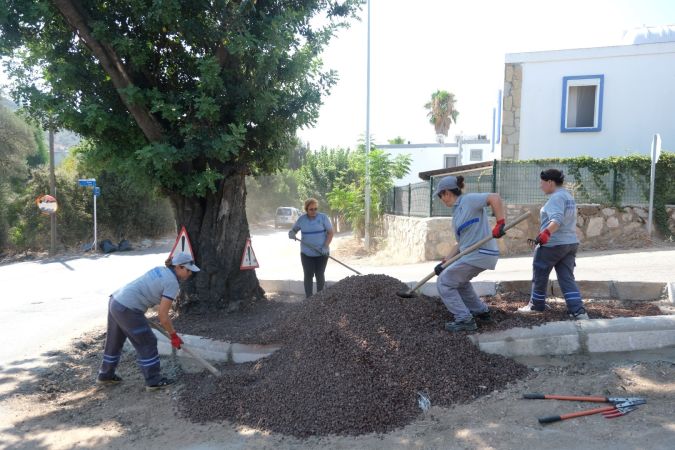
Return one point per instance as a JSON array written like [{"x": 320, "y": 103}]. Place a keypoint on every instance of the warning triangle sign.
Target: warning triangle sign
[
  {"x": 248, "y": 259},
  {"x": 182, "y": 244}
]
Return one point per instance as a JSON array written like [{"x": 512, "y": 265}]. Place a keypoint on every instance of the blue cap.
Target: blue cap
[{"x": 446, "y": 184}]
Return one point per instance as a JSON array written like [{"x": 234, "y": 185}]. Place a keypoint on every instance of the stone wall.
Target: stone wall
[
  {"x": 411, "y": 239},
  {"x": 513, "y": 83}
]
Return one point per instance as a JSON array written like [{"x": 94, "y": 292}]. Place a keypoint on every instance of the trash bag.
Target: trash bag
[
  {"x": 124, "y": 246},
  {"x": 107, "y": 246}
]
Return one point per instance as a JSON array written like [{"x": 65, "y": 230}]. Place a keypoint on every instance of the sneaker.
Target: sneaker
[
  {"x": 531, "y": 308},
  {"x": 466, "y": 325},
  {"x": 485, "y": 317},
  {"x": 108, "y": 381},
  {"x": 579, "y": 315},
  {"x": 161, "y": 384}
]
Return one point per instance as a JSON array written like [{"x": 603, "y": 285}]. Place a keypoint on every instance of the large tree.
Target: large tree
[
  {"x": 194, "y": 94},
  {"x": 442, "y": 112}
]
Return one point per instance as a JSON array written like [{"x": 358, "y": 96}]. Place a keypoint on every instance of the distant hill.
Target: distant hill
[{"x": 63, "y": 139}]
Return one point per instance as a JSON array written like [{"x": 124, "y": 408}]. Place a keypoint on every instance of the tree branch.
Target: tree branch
[{"x": 74, "y": 14}]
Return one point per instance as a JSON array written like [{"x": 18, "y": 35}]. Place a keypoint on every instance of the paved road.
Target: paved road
[{"x": 46, "y": 304}]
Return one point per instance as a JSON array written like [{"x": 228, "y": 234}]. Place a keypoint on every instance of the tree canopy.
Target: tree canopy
[{"x": 442, "y": 111}]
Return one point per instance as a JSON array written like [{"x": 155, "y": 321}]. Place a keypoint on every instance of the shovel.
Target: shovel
[
  {"x": 319, "y": 251},
  {"x": 199, "y": 359},
  {"x": 412, "y": 293}
]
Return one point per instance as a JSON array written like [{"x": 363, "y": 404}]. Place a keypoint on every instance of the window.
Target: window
[
  {"x": 476, "y": 154},
  {"x": 582, "y": 103},
  {"x": 450, "y": 161}
]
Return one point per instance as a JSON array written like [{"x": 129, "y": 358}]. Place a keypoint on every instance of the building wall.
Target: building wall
[
  {"x": 638, "y": 101},
  {"x": 513, "y": 80}
]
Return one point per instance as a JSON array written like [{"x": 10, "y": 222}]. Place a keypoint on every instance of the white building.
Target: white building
[
  {"x": 600, "y": 102},
  {"x": 428, "y": 157}
]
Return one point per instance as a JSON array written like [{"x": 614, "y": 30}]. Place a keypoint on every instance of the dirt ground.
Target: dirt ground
[{"x": 51, "y": 403}]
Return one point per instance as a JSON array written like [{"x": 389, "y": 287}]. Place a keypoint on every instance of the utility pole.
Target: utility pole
[
  {"x": 52, "y": 191},
  {"x": 367, "y": 193}
]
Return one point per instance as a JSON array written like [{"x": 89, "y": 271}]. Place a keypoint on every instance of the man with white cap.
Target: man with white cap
[
  {"x": 126, "y": 320},
  {"x": 470, "y": 223}
]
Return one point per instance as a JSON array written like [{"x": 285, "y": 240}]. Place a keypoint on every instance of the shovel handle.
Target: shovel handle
[
  {"x": 187, "y": 350},
  {"x": 470, "y": 249},
  {"x": 317, "y": 250}
]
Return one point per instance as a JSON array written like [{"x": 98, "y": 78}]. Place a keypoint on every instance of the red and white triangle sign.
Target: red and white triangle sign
[
  {"x": 182, "y": 244},
  {"x": 248, "y": 259}
]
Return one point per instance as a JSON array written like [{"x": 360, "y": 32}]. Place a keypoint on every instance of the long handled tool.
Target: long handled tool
[
  {"x": 476, "y": 246},
  {"x": 620, "y": 406},
  {"x": 319, "y": 251},
  {"x": 194, "y": 355}
]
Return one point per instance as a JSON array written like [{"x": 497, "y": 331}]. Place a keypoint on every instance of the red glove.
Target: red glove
[
  {"x": 543, "y": 237},
  {"x": 498, "y": 230},
  {"x": 176, "y": 341}
]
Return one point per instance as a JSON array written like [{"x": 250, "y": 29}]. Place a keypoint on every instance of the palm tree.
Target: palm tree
[{"x": 442, "y": 112}]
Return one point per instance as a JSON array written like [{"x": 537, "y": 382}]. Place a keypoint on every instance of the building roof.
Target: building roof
[
  {"x": 649, "y": 35},
  {"x": 457, "y": 170},
  {"x": 591, "y": 53}
]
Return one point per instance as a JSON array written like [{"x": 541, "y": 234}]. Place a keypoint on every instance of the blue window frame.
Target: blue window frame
[{"x": 582, "y": 97}]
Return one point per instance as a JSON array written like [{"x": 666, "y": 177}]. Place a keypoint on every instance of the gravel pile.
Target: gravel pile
[{"x": 354, "y": 359}]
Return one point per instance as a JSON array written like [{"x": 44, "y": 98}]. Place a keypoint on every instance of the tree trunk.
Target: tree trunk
[{"x": 218, "y": 229}]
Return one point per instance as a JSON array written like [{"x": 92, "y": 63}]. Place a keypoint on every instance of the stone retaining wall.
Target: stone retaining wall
[{"x": 414, "y": 239}]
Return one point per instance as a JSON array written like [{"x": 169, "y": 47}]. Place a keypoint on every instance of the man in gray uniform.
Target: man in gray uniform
[{"x": 126, "y": 320}]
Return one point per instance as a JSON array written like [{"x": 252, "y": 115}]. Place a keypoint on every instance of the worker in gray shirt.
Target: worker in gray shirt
[
  {"x": 556, "y": 247},
  {"x": 126, "y": 320},
  {"x": 470, "y": 223}
]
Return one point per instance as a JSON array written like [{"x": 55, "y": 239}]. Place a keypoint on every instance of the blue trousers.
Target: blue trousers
[
  {"x": 128, "y": 323},
  {"x": 562, "y": 258}
]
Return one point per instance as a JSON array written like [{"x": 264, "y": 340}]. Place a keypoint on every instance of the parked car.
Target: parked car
[{"x": 286, "y": 216}]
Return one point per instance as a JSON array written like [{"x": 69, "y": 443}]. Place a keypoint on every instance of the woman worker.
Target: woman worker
[
  {"x": 470, "y": 223},
  {"x": 317, "y": 234}
]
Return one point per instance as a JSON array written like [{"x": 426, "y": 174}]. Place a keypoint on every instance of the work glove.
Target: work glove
[
  {"x": 498, "y": 230},
  {"x": 439, "y": 268},
  {"x": 543, "y": 237},
  {"x": 176, "y": 341},
  {"x": 325, "y": 251},
  {"x": 291, "y": 234}
]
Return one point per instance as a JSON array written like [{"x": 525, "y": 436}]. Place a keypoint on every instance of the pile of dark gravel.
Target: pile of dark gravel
[{"x": 353, "y": 360}]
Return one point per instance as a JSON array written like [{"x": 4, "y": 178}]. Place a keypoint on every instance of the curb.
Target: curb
[
  {"x": 214, "y": 350},
  {"x": 620, "y": 290},
  {"x": 587, "y": 336}
]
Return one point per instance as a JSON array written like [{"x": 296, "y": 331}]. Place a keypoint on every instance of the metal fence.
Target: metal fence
[{"x": 518, "y": 183}]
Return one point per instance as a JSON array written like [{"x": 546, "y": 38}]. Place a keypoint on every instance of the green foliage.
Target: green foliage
[
  {"x": 398, "y": 140},
  {"x": 612, "y": 177},
  {"x": 17, "y": 144},
  {"x": 442, "y": 111},
  {"x": 321, "y": 173},
  {"x": 348, "y": 195},
  {"x": 41, "y": 155},
  {"x": 209, "y": 88}
]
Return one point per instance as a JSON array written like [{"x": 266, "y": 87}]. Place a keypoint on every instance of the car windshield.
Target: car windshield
[{"x": 284, "y": 212}]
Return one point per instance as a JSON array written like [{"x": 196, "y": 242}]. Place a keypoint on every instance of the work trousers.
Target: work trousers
[
  {"x": 457, "y": 293},
  {"x": 313, "y": 266},
  {"x": 128, "y": 323},
  {"x": 562, "y": 258}
]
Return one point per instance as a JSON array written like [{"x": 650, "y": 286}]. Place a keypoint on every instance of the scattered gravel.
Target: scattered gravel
[{"x": 355, "y": 359}]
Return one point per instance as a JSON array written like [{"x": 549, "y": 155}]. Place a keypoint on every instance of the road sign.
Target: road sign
[
  {"x": 182, "y": 244},
  {"x": 87, "y": 182},
  {"x": 248, "y": 259},
  {"x": 97, "y": 191}
]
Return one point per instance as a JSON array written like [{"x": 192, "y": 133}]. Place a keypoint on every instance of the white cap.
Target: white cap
[{"x": 185, "y": 260}]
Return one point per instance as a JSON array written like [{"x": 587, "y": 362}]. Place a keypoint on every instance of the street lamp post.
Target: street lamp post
[{"x": 367, "y": 190}]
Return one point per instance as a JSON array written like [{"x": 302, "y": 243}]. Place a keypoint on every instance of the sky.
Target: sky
[{"x": 419, "y": 46}]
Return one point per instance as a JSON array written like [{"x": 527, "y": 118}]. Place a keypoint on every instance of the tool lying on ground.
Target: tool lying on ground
[
  {"x": 316, "y": 249},
  {"x": 620, "y": 406},
  {"x": 199, "y": 359},
  {"x": 474, "y": 247}
]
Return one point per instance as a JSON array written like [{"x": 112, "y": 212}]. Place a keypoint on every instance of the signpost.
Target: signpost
[
  {"x": 91, "y": 182},
  {"x": 655, "y": 153}
]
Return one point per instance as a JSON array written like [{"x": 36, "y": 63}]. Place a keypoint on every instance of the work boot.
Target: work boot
[
  {"x": 465, "y": 325},
  {"x": 579, "y": 315},
  {"x": 484, "y": 317},
  {"x": 161, "y": 384},
  {"x": 532, "y": 308},
  {"x": 108, "y": 381}
]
